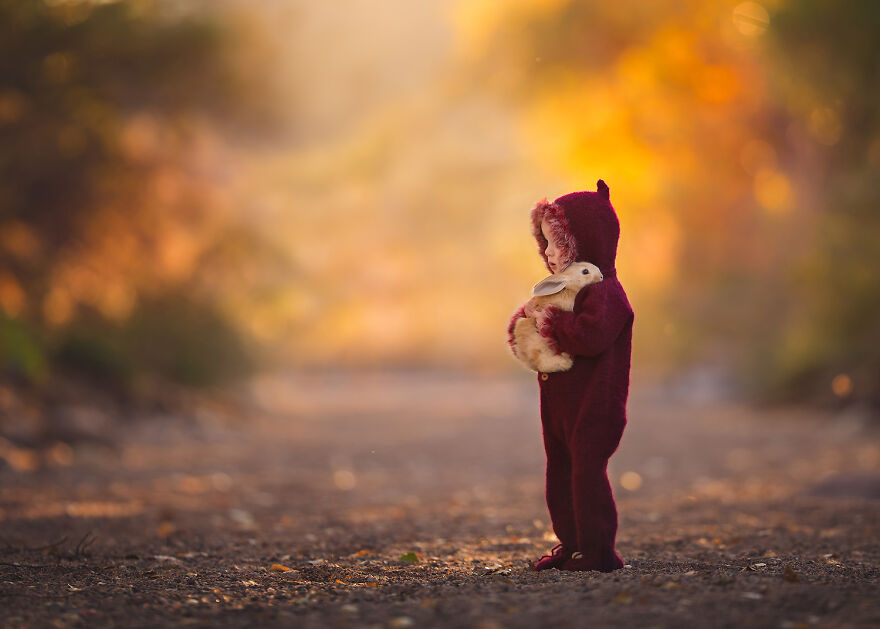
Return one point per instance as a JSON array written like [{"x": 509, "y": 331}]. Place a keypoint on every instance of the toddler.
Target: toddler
[{"x": 583, "y": 409}]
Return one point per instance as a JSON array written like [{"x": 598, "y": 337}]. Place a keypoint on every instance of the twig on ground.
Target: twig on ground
[{"x": 84, "y": 544}]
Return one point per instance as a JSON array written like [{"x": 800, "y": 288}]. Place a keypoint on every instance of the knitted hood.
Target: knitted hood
[{"x": 584, "y": 226}]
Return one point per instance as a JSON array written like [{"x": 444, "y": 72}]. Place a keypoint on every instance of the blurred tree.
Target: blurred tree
[
  {"x": 667, "y": 102},
  {"x": 111, "y": 119},
  {"x": 827, "y": 61},
  {"x": 741, "y": 144}
]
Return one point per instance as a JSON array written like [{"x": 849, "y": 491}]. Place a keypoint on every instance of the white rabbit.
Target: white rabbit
[{"x": 557, "y": 290}]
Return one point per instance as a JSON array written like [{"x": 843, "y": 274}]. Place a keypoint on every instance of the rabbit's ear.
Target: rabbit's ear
[{"x": 548, "y": 286}]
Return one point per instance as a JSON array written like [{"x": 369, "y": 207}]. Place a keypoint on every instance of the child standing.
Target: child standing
[{"x": 583, "y": 409}]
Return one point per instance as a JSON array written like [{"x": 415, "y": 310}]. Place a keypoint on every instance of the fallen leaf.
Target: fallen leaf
[
  {"x": 277, "y": 567},
  {"x": 361, "y": 553},
  {"x": 338, "y": 581},
  {"x": 409, "y": 557},
  {"x": 790, "y": 575},
  {"x": 624, "y": 597},
  {"x": 833, "y": 562}
]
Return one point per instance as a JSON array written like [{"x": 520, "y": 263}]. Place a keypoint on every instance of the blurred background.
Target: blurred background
[{"x": 194, "y": 192}]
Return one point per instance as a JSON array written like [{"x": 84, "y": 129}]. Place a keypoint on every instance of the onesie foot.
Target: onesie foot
[
  {"x": 558, "y": 555},
  {"x": 578, "y": 562}
]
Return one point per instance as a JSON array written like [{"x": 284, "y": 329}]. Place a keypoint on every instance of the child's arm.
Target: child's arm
[
  {"x": 511, "y": 341},
  {"x": 593, "y": 328}
]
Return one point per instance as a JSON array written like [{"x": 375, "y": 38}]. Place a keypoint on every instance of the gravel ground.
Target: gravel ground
[{"x": 398, "y": 500}]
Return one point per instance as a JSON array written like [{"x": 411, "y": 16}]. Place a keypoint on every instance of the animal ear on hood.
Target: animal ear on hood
[{"x": 602, "y": 189}]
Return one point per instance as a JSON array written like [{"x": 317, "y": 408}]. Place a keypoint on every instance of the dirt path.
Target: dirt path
[{"x": 729, "y": 517}]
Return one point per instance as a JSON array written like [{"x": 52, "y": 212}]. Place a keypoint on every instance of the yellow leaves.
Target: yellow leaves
[
  {"x": 476, "y": 21},
  {"x": 717, "y": 84}
]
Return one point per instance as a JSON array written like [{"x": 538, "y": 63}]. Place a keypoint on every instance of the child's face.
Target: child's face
[{"x": 552, "y": 251}]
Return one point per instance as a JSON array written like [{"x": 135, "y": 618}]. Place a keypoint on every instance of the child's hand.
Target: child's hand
[
  {"x": 543, "y": 314},
  {"x": 533, "y": 310}
]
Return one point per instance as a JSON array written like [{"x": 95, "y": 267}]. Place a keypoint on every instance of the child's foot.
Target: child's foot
[
  {"x": 578, "y": 562},
  {"x": 558, "y": 555}
]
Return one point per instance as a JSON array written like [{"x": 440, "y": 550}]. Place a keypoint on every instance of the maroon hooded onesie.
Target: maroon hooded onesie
[{"x": 583, "y": 409}]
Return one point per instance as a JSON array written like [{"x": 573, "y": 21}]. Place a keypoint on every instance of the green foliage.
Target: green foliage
[
  {"x": 21, "y": 355},
  {"x": 71, "y": 73},
  {"x": 829, "y": 57},
  {"x": 173, "y": 337},
  {"x": 74, "y": 76}
]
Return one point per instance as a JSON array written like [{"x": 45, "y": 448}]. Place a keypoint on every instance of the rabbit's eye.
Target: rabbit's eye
[{"x": 586, "y": 271}]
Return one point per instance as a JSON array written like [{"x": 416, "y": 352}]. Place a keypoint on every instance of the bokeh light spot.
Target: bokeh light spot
[
  {"x": 751, "y": 19},
  {"x": 842, "y": 385},
  {"x": 344, "y": 479},
  {"x": 825, "y": 125},
  {"x": 631, "y": 481},
  {"x": 773, "y": 191}
]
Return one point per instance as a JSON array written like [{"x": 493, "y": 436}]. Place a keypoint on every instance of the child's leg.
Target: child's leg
[
  {"x": 595, "y": 511},
  {"x": 558, "y": 491}
]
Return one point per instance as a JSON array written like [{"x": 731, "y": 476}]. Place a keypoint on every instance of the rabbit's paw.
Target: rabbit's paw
[{"x": 555, "y": 362}]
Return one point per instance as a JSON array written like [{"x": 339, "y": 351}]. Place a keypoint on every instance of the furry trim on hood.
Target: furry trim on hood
[{"x": 584, "y": 226}]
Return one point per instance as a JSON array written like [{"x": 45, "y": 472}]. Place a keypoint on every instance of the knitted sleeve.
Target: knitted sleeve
[
  {"x": 511, "y": 342},
  {"x": 592, "y": 328}
]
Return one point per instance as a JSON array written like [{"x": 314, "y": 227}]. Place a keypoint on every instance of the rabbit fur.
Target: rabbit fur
[{"x": 557, "y": 290}]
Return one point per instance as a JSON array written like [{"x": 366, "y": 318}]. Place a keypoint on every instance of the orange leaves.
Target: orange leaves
[{"x": 277, "y": 567}]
